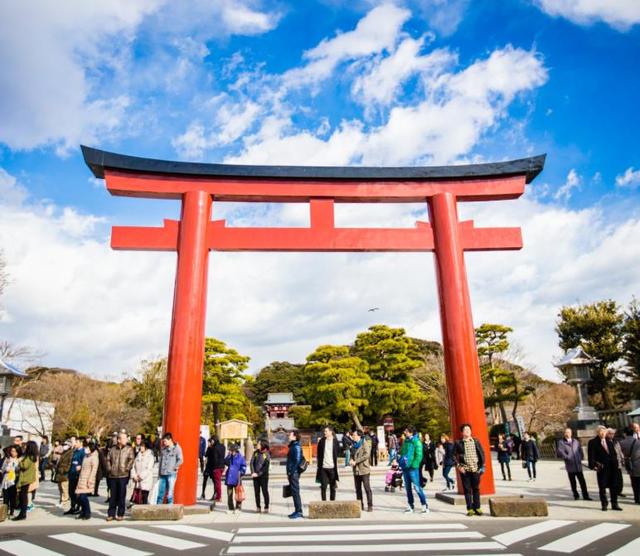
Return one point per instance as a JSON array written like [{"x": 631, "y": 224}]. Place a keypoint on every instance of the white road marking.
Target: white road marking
[
  {"x": 153, "y": 538},
  {"x": 394, "y": 548},
  {"x": 578, "y": 540},
  {"x": 99, "y": 545},
  {"x": 349, "y": 528},
  {"x": 350, "y": 537},
  {"x": 198, "y": 531},
  {"x": 517, "y": 535},
  {"x": 630, "y": 549},
  {"x": 23, "y": 548}
]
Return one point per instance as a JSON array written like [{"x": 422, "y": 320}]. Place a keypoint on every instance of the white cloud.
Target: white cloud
[
  {"x": 630, "y": 179},
  {"x": 619, "y": 14},
  {"x": 102, "y": 311},
  {"x": 444, "y": 16},
  {"x": 564, "y": 192}
]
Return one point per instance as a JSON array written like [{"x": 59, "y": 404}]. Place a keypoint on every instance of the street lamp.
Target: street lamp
[{"x": 7, "y": 374}]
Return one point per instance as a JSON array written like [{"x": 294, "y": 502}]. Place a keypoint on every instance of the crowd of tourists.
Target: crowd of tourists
[{"x": 128, "y": 466}]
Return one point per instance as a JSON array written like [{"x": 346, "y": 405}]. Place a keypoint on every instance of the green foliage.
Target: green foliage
[
  {"x": 279, "y": 376},
  {"x": 337, "y": 384},
  {"x": 598, "y": 327},
  {"x": 631, "y": 348},
  {"x": 148, "y": 392},
  {"x": 388, "y": 353},
  {"x": 492, "y": 339}
]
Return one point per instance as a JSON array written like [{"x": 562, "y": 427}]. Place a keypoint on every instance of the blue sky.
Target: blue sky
[{"x": 411, "y": 82}]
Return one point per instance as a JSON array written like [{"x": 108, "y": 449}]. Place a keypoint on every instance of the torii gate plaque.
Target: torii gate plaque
[{"x": 199, "y": 185}]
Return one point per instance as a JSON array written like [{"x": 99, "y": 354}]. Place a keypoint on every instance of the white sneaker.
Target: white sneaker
[
  {"x": 425, "y": 509},
  {"x": 408, "y": 511}
]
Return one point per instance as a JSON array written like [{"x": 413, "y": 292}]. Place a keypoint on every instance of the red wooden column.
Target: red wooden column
[
  {"x": 462, "y": 367},
  {"x": 186, "y": 348}
]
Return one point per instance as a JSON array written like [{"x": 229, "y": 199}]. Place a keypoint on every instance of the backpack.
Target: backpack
[{"x": 304, "y": 464}]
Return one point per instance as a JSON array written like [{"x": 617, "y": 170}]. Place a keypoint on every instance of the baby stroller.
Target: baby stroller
[{"x": 393, "y": 478}]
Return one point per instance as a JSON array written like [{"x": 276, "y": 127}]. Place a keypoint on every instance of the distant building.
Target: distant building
[
  {"x": 276, "y": 410},
  {"x": 32, "y": 419}
]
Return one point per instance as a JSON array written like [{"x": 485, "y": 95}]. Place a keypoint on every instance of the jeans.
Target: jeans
[
  {"x": 446, "y": 469},
  {"x": 531, "y": 468},
  {"x": 471, "y": 487},
  {"x": 294, "y": 483},
  {"x": 328, "y": 478},
  {"x": 261, "y": 484},
  {"x": 392, "y": 455},
  {"x": 42, "y": 466},
  {"x": 118, "y": 496},
  {"x": 166, "y": 485},
  {"x": 360, "y": 481},
  {"x": 10, "y": 498},
  {"x": 505, "y": 465},
  {"x": 583, "y": 484},
  {"x": 411, "y": 476},
  {"x": 73, "y": 484},
  {"x": 347, "y": 457},
  {"x": 85, "y": 507}
]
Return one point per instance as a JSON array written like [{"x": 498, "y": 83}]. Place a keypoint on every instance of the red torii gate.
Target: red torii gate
[{"x": 197, "y": 185}]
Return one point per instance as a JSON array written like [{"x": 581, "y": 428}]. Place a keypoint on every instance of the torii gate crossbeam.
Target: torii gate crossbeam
[{"x": 198, "y": 186}]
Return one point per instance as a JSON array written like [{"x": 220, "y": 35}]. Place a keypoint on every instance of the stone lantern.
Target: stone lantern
[{"x": 576, "y": 367}]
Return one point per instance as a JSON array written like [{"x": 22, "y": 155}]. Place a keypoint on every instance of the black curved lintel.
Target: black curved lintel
[{"x": 99, "y": 160}]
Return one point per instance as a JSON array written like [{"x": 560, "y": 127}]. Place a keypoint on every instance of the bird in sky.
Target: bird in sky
[{"x": 373, "y": 309}]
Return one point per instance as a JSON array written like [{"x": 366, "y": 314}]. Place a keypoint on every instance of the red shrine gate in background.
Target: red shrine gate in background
[{"x": 195, "y": 234}]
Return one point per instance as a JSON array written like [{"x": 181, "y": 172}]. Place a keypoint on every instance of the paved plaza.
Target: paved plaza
[{"x": 572, "y": 526}]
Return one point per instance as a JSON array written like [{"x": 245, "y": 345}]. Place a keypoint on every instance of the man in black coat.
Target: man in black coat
[
  {"x": 603, "y": 459},
  {"x": 327, "y": 472},
  {"x": 214, "y": 467}
]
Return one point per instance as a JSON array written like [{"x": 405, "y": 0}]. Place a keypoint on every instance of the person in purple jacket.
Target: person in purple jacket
[{"x": 236, "y": 467}]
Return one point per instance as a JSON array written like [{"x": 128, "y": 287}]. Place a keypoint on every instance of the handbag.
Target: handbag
[
  {"x": 286, "y": 491},
  {"x": 240, "y": 493},
  {"x": 136, "y": 497},
  {"x": 304, "y": 464}
]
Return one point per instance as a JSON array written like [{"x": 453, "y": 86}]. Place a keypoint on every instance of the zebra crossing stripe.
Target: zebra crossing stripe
[
  {"x": 350, "y": 537},
  {"x": 99, "y": 545},
  {"x": 517, "y": 535},
  {"x": 153, "y": 538},
  {"x": 349, "y": 528},
  {"x": 394, "y": 548},
  {"x": 630, "y": 549},
  {"x": 23, "y": 548},
  {"x": 198, "y": 531},
  {"x": 578, "y": 540}
]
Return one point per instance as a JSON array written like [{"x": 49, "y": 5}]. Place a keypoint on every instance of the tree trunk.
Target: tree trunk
[
  {"x": 356, "y": 421},
  {"x": 503, "y": 412},
  {"x": 216, "y": 418}
]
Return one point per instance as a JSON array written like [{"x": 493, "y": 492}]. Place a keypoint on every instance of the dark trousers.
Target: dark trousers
[
  {"x": 373, "y": 458},
  {"x": 531, "y": 468},
  {"x": 261, "y": 484},
  {"x": 607, "y": 480},
  {"x": 10, "y": 498},
  {"x": 294, "y": 483},
  {"x": 118, "y": 495},
  {"x": 73, "y": 484},
  {"x": 42, "y": 466},
  {"x": 98, "y": 479},
  {"x": 208, "y": 473},
  {"x": 471, "y": 487},
  {"x": 619, "y": 482},
  {"x": 85, "y": 507},
  {"x": 574, "y": 487},
  {"x": 504, "y": 465},
  {"x": 635, "y": 485},
  {"x": 23, "y": 497},
  {"x": 363, "y": 481},
  {"x": 328, "y": 478},
  {"x": 231, "y": 498}
]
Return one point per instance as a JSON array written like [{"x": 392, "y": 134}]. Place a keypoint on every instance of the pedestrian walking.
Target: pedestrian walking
[
  {"x": 327, "y": 473},
  {"x": 604, "y": 461},
  {"x": 61, "y": 473},
  {"x": 236, "y": 468},
  {"x": 530, "y": 454},
  {"x": 410, "y": 462},
  {"x": 45, "y": 452},
  {"x": 429, "y": 456},
  {"x": 361, "y": 463},
  {"x": 87, "y": 479},
  {"x": 142, "y": 473},
  {"x": 10, "y": 479},
  {"x": 448, "y": 461},
  {"x": 170, "y": 461},
  {"x": 504, "y": 456},
  {"x": 392, "y": 447},
  {"x": 119, "y": 462},
  {"x": 27, "y": 477},
  {"x": 570, "y": 450},
  {"x": 347, "y": 444},
  {"x": 470, "y": 461},
  {"x": 74, "y": 473},
  {"x": 215, "y": 465},
  {"x": 631, "y": 449},
  {"x": 260, "y": 463},
  {"x": 294, "y": 462}
]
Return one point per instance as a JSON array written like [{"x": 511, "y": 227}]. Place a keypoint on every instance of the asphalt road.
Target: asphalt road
[{"x": 485, "y": 535}]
